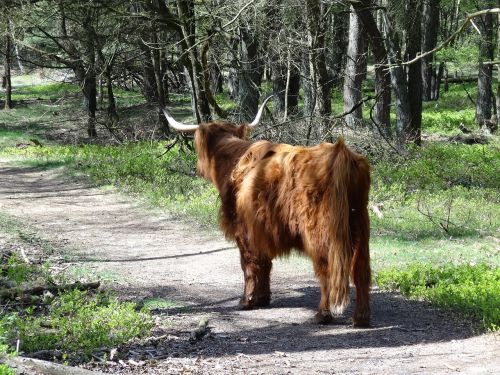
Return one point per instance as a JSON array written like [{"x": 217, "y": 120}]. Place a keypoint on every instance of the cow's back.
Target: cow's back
[{"x": 283, "y": 195}]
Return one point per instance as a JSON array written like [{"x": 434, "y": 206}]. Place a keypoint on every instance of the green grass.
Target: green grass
[
  {"x": 388, "y": 252},
  {"x": 10, "y": 138},
  {"x": 159, "y": 304},
  {"x": 44, "y": 91},
  {"x": 78, "y": 323},
  {"x": 474, "y": 290},
  {"x": 439, "y": 190},
  {"x": 74, "y": 322},
  {"x": 6, "y": 370}
]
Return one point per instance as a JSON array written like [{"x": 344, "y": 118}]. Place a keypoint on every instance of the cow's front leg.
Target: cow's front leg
[{"x": 256, "y": 271}]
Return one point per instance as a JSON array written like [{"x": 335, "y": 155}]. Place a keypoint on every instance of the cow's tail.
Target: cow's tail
[{"x": 340, "y": 251}]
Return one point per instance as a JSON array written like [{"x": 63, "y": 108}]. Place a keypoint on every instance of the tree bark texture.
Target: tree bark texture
[
  {"x": 186, "y": 12},
  {"x": 484, "y": 101},
  {"x": 498, "y": 68},
  {"x": 399, "y": 82},
  {"x": 430, "y": 27},
  {"x": 355, "y": 68},
  {"x": 89, "y": 76},
  {"x": 250, "y": 73},
  {"x": 382, "y": 77},
  {"x": 414, "y": 35},
  {"x": 7, "y": 71},
  {"x": 338, "y": 24},
  {"x": 321, "y": 82},
  {"x": 148, "y": 86}
]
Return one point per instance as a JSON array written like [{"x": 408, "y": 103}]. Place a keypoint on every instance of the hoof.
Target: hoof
[
  {"x": 246, "y": 303},
  {"x": 361, "y": 322},
  {"x": 263, "y": 301},
  {"x": 323, "y": 317}
]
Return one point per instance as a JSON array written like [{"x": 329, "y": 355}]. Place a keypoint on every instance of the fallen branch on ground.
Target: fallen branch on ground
[
  {"x": 23, "y": 365},
  {"x": 12, "y": 293}
]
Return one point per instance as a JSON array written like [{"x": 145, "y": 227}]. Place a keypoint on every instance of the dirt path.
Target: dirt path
[{"x": 151, "y": 255}]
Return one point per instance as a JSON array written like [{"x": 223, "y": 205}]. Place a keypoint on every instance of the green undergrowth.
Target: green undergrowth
[
  {"x": 6, "y": 370},
  {"x": 71, "y": 323},
  {"x": 439, "y": 190},
  {"x": 77, "y": 323},
  {"x": 44, "y": 91},
  {"x": 473, "y": 290}
]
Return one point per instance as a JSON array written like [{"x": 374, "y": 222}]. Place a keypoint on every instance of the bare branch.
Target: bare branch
[{"x": 468, "y": 20}]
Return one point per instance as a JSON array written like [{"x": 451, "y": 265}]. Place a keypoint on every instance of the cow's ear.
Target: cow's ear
[{"x": 243, "y": 131}]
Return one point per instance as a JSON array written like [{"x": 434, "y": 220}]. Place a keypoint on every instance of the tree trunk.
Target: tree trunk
[
  {"x": 498, "y": 69},
  {"x": 399, "y": 83},
  {"x": 7, "y": 71},
  {"x": 193, "y": 64},
  {"x": 89, "y": 76},
  {"x": 90, "y": 101},
  {"x": 148, "y": 75},
  {"x": 292, "y": 90},
  {"x": 414, "y": 34},
  {"x": 249, "y": 75},
  {"x": 337, "y": 45},
  {"x": 382, "y": 76},
  {"x": 436, "y": 84},
  {"x": 307, "y": 86},
  {"x": 485, "y": 76},
  {"x": 216, "y": 78},
  {"x": 279, "y": 79},
  {"x": 354, "y": 70},
  {"x": 430, "y": 27},
  {"x": 321, "y": 81},
  {"x": 112, "y": 113}
]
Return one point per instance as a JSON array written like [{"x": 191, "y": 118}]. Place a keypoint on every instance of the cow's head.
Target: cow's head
[{"x": 214, "y": 136}]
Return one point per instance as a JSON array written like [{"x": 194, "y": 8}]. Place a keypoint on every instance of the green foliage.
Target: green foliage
[
  {"x": 79, "y": 322},
  {"x": 159, "y": 303},
  {"x": 6, "y": 370},
  {"x": 440, "y": 166},
  {"x": 437, "y": 190},
  {"x": 75, "y": 322},
  {"x": 10, "y": 138},
  {"x": 50, "y": 91},
  {"x": 460, "y": 56},
  {"x": 17, "y": 271},
  {"x": 447, "y": 122},
  {"x": 400, "y": 251},
  {"x": 474, "y": 290}
]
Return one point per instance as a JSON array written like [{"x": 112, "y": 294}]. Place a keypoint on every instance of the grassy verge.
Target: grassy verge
[
  {"x": 69, "y": 324},
  {"x": 474, "y": 290}
]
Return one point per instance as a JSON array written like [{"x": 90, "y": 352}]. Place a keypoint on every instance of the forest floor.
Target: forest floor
[{"x": 142, "y": 253}]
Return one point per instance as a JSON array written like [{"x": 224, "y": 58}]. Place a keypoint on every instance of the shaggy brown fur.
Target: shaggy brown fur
[{"x": 277, "y": 197}]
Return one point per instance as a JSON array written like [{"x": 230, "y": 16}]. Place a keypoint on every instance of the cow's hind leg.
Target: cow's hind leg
[
  {"x": 323, "y": 316},
  {"x": 360, "y": 270},
  {"x": 257, "y": 271}
]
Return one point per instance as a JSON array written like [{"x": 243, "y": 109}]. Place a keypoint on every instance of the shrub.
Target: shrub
[
  {"x": 474, "y": 290},
  {"x": 78, "y": 322}
]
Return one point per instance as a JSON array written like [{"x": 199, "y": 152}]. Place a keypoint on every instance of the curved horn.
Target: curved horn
[
  {"x": 259, "y": 113},
  {"x": 177, "y": 125}
]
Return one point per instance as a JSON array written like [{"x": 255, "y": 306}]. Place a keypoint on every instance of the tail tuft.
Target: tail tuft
[{"x": 340, "y": 252}]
